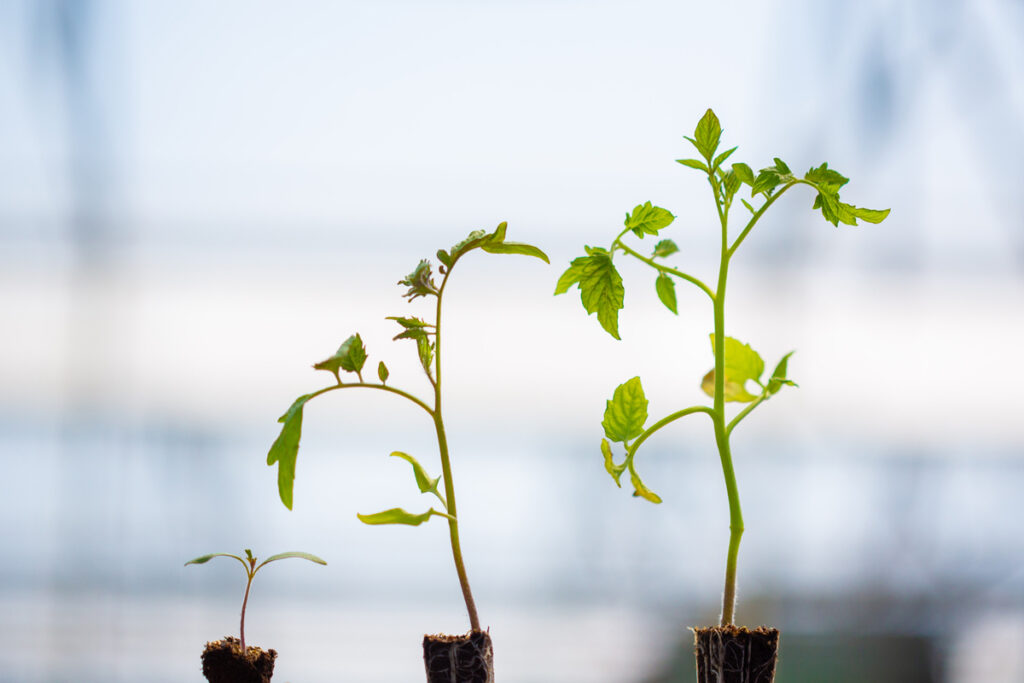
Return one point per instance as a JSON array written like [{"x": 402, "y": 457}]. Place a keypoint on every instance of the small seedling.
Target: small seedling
[
  {"x": 249, "y": 563},
  {"x": 736, "y": 363},
  {"x": 351, "y": 359}
]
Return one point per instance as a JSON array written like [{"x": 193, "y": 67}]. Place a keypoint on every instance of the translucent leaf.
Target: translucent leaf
[
  {"x": 870, "y": 215},
  {"x": 743, "y": 172},
  {"x": 722, "y": 157},
  {"x": 285, "y": 556},
  {"x": 767, "y": 179},
  {"x": 399, "y": 516},
  {"x": 694, "y": 163},
  {"x": 641, "y": 491},
  {"x": 742, "y": 363},
  {"x": 609, "y": 463},
  {"x": 665, "y": 248},
  {"x": 626, "y": 412},
  {"x": 601, "y": 289},
  {"x": 826, "y": 178},
  {"x": 285, "y": 449},
  {"x": 707, "y": 134},
  {"x": 778, "y": 378},
  {"x": 666, "y": 291},
  {"x": 203, "y": 559},
  {"x": 423, "y": 480},
  {"x": 648, "y": 219},
  {"x": 515, "y": 248}
]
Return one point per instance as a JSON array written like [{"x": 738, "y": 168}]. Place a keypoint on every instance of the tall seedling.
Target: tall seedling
[
  {"x": 350, "y": 358},
  {"x": 737, "y": 365}
]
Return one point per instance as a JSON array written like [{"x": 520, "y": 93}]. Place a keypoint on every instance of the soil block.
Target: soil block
[
  {"x": 727, "y": 654},
  {"x": 459, "y": 659},
  {"x": 223, "y": 662}
]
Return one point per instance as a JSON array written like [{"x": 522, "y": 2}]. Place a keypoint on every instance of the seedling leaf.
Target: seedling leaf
[
  {"x": 420, "y": 281},
  {"x": 722, "y": 157},
  {"x": 350, "y": 357},
  {"x": 641, "y": 491},
  {"x": 284, "y": 556},
  {"x": 609, "y": 463},
  {"x": 399, "y": 516},
  {"x": 707, "y": 135},
  {"x": 694, "y": 163},
  {"x": 423, "y": 480},
  {"x": 664, "y": 248},
  {"x": 601, "y": 289},
  {"x": 666, "y": 288},
  {"x": 743, "y": 172},
  {"x": 778, "y": 378},
  {"x": 648, "y": 219},
  {"x": 285, "y": 449},
  {"x": 626, "y": 412},
  {"x": 382, "y": 372},
  {"x": 742, "y": 363},
  {"x": 203, "y": 559}
]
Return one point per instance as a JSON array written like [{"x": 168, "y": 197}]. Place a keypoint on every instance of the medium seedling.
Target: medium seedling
[
  {"x": 350, "y": 358},
  {"x": 249, "y": 563},
  {"x": 736, "y": 363}
]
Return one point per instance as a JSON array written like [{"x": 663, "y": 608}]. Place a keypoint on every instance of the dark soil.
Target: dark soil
[
  {"x": 223, "y": 662},
  {"x": 459, "y": 659},
  {"x": 727, "y": 654}
]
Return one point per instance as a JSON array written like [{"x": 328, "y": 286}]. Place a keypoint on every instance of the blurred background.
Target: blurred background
[{"x": 198, "y": 201}]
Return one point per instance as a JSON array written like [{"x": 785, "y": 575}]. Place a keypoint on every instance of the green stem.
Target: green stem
[
  {"x": 381, "y": 387},
  {"x": 721, "y": 431},
  {"x": 245, "y": 601},
  {"x": 664, "y": 269},
  {"x": 446, "y": 469},
  {"x": 760, "y": 212},
  {"x": 743, "y": 413},
  {"x": 664, "y": 421}
]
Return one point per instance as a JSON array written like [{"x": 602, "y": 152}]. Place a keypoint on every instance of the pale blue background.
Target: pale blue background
[{"x": 198, "y": 201}]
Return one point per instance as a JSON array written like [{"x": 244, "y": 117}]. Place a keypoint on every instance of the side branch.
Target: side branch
[
  {"x": 381, "y": 387},
  {"x": 665, "y": 269},
  {"x": 664, "y": 421}
]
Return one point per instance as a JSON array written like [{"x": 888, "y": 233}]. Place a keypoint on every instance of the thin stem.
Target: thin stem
[
  {"x": 721, "y": 432},
  {"x": 666, "y": 420},
  {"x": 760, "y": 212},
  {"x": 666, "y": 269},
  {"x": 446, "y": 468},
  {"x": 245, "y": 601},
  {"x": 743, "y": 413},
  {"x": 381, "y": 387}
]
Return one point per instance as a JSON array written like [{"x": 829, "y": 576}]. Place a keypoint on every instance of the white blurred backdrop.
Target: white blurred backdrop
[{"x": 198, "y": 201}]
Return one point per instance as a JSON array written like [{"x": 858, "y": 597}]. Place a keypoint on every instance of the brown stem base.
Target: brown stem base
[
  {"x": 459, "y": 659},
  {"x": 727, "y": 654},
  {"x": 223, "y": 662}
]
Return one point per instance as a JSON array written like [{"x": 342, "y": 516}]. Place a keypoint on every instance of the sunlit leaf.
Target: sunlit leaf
[
  {"x": 399, "y": 516},
  {"x": 626, "y": 412},
  {"x": 285, "y": 449},
  {"x": 666, "y": 288}
]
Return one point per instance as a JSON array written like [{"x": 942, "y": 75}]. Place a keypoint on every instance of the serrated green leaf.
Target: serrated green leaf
[
  {"x": 778, "y": 378},
  {"x": 382, "y": 372},
  {"x": 781, "y": 166},
  {"x": 609, "y": 463},
  {"x": 722, "y": 157},
  {"x": 767, "y": 179},
  {"x": 694, "y": 163},
  {"x": 730, "y": 183},
  {"x": 640, "y": 490},
  {"x": 626, "y": 412},
  {"x": 829, "y": 205},
  {"x": 350, "y": 357},
  {"x": 285, "y": 449},
  {"x": 420, "y": 281},
  {"x": 707, "y": 134},
  {"x": 648, "y": 219},
  {"x": 292, "y": 554},
  {"x": 399, "y": 516},
  {"x": 743, "y": 172},
  {"x": 423, "y": 480},
  {"x": 664, "y": 248},
  {"x": 666, "y": 288},
  {"x": 601, "y": 289},
  {"x": 826, "y": 178},
  {"x": 742, "y": 363}
]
